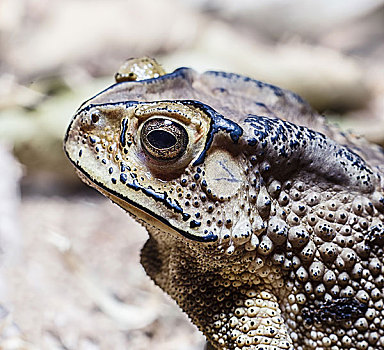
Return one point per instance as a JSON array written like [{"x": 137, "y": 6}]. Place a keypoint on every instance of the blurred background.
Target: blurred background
[{"x": 70, "y": 276}]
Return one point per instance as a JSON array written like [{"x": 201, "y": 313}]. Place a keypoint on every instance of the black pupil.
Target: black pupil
[{"x": 161, "y": 139}]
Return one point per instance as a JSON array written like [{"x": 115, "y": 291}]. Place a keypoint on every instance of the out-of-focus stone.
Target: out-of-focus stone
[{"x": 95, "y": 34}]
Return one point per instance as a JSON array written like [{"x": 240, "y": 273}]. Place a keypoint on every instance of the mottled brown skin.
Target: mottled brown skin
[{"x": 265, "y": 224}]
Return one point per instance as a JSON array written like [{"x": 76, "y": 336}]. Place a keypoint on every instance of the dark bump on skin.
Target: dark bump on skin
[
  {"x": 92, "y": 139},
  {"x": 194, "y": 224},
  {"x": 123, "y": 178}
]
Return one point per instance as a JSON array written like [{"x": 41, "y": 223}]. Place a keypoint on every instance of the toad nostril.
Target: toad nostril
[{"x": 95, "y": 117}]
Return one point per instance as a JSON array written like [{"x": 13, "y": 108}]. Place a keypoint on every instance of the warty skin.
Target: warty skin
[{"x": 265, "y": 224}]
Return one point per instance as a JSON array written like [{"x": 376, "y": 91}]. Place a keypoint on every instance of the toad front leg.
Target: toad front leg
[
  {"x": 253, "y": 320},
  {"x": 231, "y": 314}
]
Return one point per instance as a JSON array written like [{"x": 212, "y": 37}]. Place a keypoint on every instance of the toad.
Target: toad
[{"x": 265, "y": 223}]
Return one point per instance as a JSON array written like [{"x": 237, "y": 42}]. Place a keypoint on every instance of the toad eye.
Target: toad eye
[{"x": 163, "y": 139}]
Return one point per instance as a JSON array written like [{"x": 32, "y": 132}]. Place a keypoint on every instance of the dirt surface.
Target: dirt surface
[{"x": 76, "y": 282}]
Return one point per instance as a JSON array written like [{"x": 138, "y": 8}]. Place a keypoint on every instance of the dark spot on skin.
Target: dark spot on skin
[
  {"x": 219, "y": 90},
  {"x": 376, "y": 235},
  {"x": 336, "y": 310},
  {"x": 122, "y": 167},
  {"x": 194, "y": 224},
  {"x": 123, "y": 178}
]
